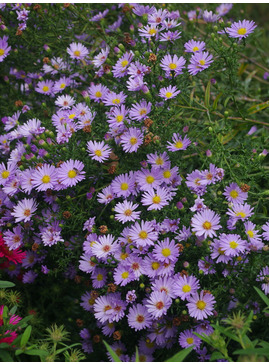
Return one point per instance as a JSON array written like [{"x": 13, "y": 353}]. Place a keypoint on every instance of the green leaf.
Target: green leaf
[
  {"x": 26, "y": 336},
  {"x": 253, "y": 351},
  {"x": 215, "y": 103},
  {"x": 204, "y": 338},
  {"x": 19, "y": 352},
  {"x": 256, "y": 108},
  {"x": 207, "y": 94},
  {"x": 6, "y": 284},
  {"x": 111, "y": 352},
  {"x": 13, "y": 310},
  {"x": 226, "y": 333},
  {"x": 66, "y": 347},
  {"x": 4, "y": 345},
  {"x": 216, "y": 355},
  {"x": 262, "y": 295},
  {"x": 136, "y": 355},
  {"x": 227, "y": 100},
  {"x": 37, "y": 352},
  {"x": 5, "y": 356},
  {"x": 181, "y": 355}
]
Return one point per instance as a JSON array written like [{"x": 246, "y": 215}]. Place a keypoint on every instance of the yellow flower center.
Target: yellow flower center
[
  {"x": 242, "y": 214},
  {"x": 5, "y": 174},
  {"x": 155, "y": 265},
  {"x": 150, "y": 179},
  {"x": 233, "y": 245},
  {"x": 172, "y": 66},
  {"x": 239, "y": 259},
  {"x": 123, "y": 256},
  {"x": 98, "y": 152},
  {"x": 169, "y": 94},
  {"x": 62, "y": 85},
  {"x": 179, "y": 145},
  {"x": 124, "y": 186},
  {"x": 27, "y": 212},
  {"x": 156, "y": 199},
  {"x": 189, "y": 340},
  {"x": 152, "y": 31},
  {"x": 201, "y": 305},
  {"x": 250, "y": 233},
  {"x": 124, "y": 63},
  {"x": 46, "y": 179},
  {"x": 116, "y": 101},
  {"x": 143, "y": 234},
  {"x": 119, "y": 118},
  {"x": 77, "y": 53},
  {"x": 45, "y": 88},
  {"x": 167, "y": 174},
  {"x": 99, "y": 277},
  {"x": 234, "y": 194},
  {"x": 159, "y": 161},
  {"x": 133, "y": 140},
  {"x": 2, "y": 51},
  {"x": 221, "y": 252},
  {"x": 110, "y": 325},
  {"x": 207, "y": 225},
  {"x": 125, "y": 275},
  {"x": 202, "y": 62},
  {"x": 186, "y": 288},
  {"x": 242, "y": 31},
  {"x": 72, "y": 173},
  {"x": 143, "y": 112},
  {"x": 128, "y": 212},
  {"x": 118, "y": 351},
  {"x": 195, "y": 49},
  {"x": 98, "y": 94},
  {"x": 166, "y": 252},
  {"x": 71, "y": 116}
]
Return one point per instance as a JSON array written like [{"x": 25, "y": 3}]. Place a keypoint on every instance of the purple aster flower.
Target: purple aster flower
[
  {"x": 169, "y": 92},
  {"x": 210, "y": 176},
  {"x": 184, "y": 234},
  {"x": 205, "y": 223},
  {"x": 138, "y": 317},
  {"x": 120, "y": 68},
  {"x": 31, "y": 127},
  {"x": 170, "y": 36},
  {"x": 201, "y": 306},
  {"x": 29, "y": 277},
  {"x": 45, "y": 87},
  {"x": 147, "y": 179},
  {"x": 30, "y": 259},
  {"x": 179, "y": 143},
  {"x": 114, "y": 99},
  {"x": 77, "y": 51},
  {"x": 125, "y": 211},
  {"x": 193, "y": 46},
  {"x": 123, "y": 275},
  {"x": 71, "y": 172},
  {"x": 98, "y": 92},
  {"x": 172, "y": 63},
  {"x": 24, "y": 210},
  {"x": 131, "y": 140},
  {"x": 149, "y": 31},
  {"x": 87, "y": 301},
  {"x": 123, "y": 185},
  {"x": 13, "y": 239},
  {"x": 198, "y": 205},
  {"x": 206, "y": 265},
  {"x": 106, "y": 195},
  {"x": 4, "y": 48},
  {"x": 143, "y": 234},
  {"x": 99, "y": 277},
  {"x": 266, "y": 75},
  {"x": 264, "y": 277},
  {"x": 218, "y": 253},
  {"x": 99, "y": 16},
  {"x": 187, "y": 339},
  {"x": 234, "y": 194},
  {"x": 240, "y": 211},
  {"x": 44, "y": 177},
  {"x": 265, "y": 228},
  {"x": 164, "y": 284},
  {"x": 241, "y": 29},
  {"x": 223, "y": 9},
  {"x": 209, "y": 17},
  {"x": 141, "y": 10},
  {"x": 140, "y": 110},
  {"x": 105, "y": 246},
  {"x": 65, "y": 101},
  {"x": 232, "y": 244},
  {"x": 166, "y": 251},
  {"x": 156, "y": 199},
  {"x": 101, "y": 57},
  {"x": 131, "y": 296},
  {"x": 185, "y": 286},
  {"x": 103, "y": 308},
  {"x": 51, "y": 234},
  {"x": 108, "y": 328},
  {"x": 158, "y": 303},
  {"x": 44, "y": 269},
  {"x": 199, "y": 61},
  {"x": 99, "y": 151}
]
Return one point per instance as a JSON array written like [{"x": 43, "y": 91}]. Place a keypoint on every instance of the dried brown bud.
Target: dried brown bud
[
  {"x": 59, "y": 164},
  {"x": 184, "y": 318},
  {"x": 112, "y": 169},
  {"x": 38, "y": 165},
  {"x": 19, "y": 163},
  {"x": 116, "y": 335},
  {"x": 106, "y": 68},
  {"x": 19, "y": 32},
  {"x": 48, "y": 192},
  {"x": 180, "y": 247},
  {"x": 35, "y": 247},
  {"x": 206, "y": 291},
  {"x": 94, "y": 294},
  {"x": 111, "y": 287},
  {"x": 77, "y": 279},
  {"x": 148, "y": 122},
  {"x": 103, "y": 229},
  {"x": 79, "y": 322},
  {"x": 156, "y": 137},
  {"x": 66, "y": 5},
  {"x": 244, "y": 187},
  {"x": 46, "y": 60},
  {"x": 96, "y": 339},
  {"x": 18, "y": 103},
  {"x": 37, "y": 7},
  {"x": 184, "y": 273},
  {"x": 126, "y": 9},
  {"x": 87, "y": 129},
  {"x": 147, "y": 139},
  {"x": 113, "y": 156},
  {"x": 67, "y": 214},
  {"x": 152, "y": 57},
  {"x": 127, "y": 39},
  {"x": 176, "y": 321}
]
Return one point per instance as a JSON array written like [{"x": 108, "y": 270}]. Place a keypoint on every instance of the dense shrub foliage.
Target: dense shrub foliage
[{"x": 133, "y": 182}]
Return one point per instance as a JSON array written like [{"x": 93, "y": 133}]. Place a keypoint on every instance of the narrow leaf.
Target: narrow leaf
[
  {"x": 256, "y": 108},
  {"x": 207, "y": 94},
  {"x": 215, "y": 103},
  {"x": 6, "y": 284},
  {"x": 262, "y": 295},
  {"x": 111, "y": 352},
  {"x": 26, "y": 336},
  {"x": 216, "y": 355},
  {"x": 181, "y": 355},
  {"x": 4, "y": 355},
  {"x": 37, "y": 352},
  {"x": 136, "y": 355},
  {"x": 253, "y": 351}
]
